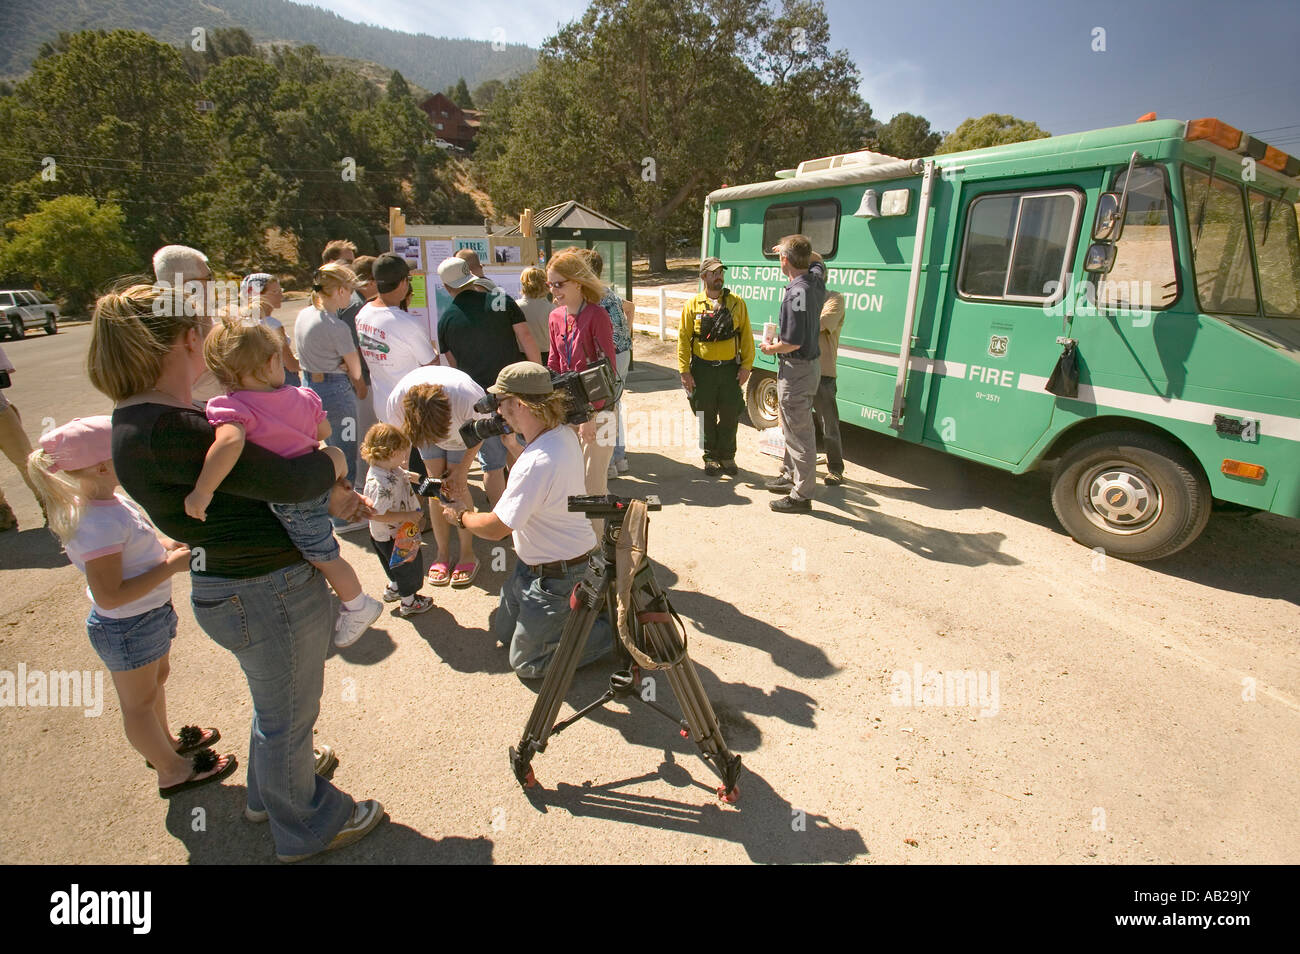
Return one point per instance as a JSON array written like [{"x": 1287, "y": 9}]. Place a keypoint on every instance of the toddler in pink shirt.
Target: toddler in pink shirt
[{"x": 246, "y": 358}]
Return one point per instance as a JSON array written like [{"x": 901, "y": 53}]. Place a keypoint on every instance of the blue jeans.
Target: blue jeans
[
  {"x": 340, "y": 403},
  {"x": 309, "y": 528},
  {"x": 279, "y": 628},
  {"x": 133, "y": 641},
  {"x": 531, "y": 616}
]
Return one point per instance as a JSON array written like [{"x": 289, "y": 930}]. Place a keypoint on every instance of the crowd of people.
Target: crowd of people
[{"x": 240, "y": 448}]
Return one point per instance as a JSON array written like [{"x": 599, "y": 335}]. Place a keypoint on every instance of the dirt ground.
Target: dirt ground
[{"x": 1122, "y": 714}]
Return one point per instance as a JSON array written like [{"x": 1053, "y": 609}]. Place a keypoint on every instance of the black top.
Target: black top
[
  {"x": 479, "y": 336},
  {"x": 348, "y": 316},
  {"x": 158, "y": 452},
  {"x": 801, "y": 308}
]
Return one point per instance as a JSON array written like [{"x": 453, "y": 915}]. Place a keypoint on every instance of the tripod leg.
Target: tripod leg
[{"x": 555, "y": 685}]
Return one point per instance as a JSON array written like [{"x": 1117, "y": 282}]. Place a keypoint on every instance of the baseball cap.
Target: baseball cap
[
  {"x": 524, "y": 378},
  {"x": 389, "y": 270},
  {"x": 455, "y": 274},
  {"x": 82, "y": 442},
  {"x": 709, "y": 264}
]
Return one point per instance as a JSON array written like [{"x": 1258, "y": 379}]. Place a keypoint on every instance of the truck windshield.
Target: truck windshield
[
  {"x": 1216, "y": 218},
  {"x": 1277, "y": 251}
]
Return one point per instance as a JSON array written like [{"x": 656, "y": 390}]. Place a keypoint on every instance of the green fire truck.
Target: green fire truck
[{"x": 1123, "y": 302}]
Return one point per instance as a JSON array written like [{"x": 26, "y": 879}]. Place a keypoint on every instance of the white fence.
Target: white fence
[{"x": 662, "y": 315}]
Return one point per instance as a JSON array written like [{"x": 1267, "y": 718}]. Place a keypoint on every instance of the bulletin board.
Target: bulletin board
[{"x": 425, "y": 246}]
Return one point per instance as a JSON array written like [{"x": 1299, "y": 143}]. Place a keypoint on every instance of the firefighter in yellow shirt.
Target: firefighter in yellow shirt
[{"x": 715, "y": 353}]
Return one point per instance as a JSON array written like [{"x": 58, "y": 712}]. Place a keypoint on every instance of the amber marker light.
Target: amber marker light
[
  {"x": 1237, "y": 468},
  {"x": 1214, "y": 131}
]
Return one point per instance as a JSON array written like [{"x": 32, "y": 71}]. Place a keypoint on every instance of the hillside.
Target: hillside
[{"x": 431, "y": 62}]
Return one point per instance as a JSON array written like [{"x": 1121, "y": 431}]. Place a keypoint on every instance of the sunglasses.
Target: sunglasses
[{"x": 554, "y": 285}]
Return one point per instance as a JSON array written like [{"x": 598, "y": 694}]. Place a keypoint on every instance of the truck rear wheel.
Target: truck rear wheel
[
  {"x": 761, "y": 400},
  {"x": 1134, "y": 495}
]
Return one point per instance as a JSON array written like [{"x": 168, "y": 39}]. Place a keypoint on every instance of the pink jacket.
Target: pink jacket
[{"x": 590, "y": 338}]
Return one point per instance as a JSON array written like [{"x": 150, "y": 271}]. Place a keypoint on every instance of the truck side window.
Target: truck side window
[
  {"x": 819, "y": 220},
  {"x": 1144, "y": 275},
  {"x": 1216, "y": 219},
  {"x": 1277, "y": 251},
  {"x": 1017, "y": 245}
]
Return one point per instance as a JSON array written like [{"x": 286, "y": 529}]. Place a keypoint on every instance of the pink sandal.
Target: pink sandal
[
  {"x": 439, "y": 574},
  {"x": 471, "y": 569}
]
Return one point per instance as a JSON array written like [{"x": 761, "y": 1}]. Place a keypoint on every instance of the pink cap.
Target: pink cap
[{"x": 82, "y": 442}]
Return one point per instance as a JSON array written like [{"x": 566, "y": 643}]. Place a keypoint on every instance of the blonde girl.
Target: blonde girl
[
  {"x": 129, "y": 570},
  {"x": 245, "y": 356}
]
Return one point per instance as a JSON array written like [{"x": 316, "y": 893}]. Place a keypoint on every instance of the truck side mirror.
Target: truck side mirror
[
  {"x": 1100, "y": 259},
  {"x": 1109, "y": 224}
]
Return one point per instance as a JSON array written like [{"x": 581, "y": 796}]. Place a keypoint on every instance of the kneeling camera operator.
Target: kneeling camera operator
[{"x": 552, "y": 544}]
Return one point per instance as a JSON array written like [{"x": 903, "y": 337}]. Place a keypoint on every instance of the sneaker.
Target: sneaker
[
  {"x": 349, "y": 527},
  {"x": 366, "y": 817},
  {"x": 729, "y": 468},
  {"x": 7, "y": 519},
  {"x": 352, "y": 624},
  {"x": 391, "y": 593},
  {"x": 622, "y": 465},
  {"x": 421, "y": 604},
  {"x": 712, "y": 468},
  {"x": 780, "y": 484},
  {"x": 790, "y": 505},
  {"x": 613, "y": 470},
  {"x": 834, "y": 479}
]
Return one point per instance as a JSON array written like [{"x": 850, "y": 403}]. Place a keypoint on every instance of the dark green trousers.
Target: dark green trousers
[{"x": 718, "y": 401}]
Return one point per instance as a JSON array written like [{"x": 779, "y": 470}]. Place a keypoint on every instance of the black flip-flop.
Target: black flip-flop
[
  {"x": 204, "y": 761},
  {"x": 192, "y": 738}
]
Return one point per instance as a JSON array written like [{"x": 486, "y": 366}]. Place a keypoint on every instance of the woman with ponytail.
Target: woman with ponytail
[
  {"x": 250, "y": 588},
  {"x": 331, "y": 365},
  {"x": 129, "y": 570}
]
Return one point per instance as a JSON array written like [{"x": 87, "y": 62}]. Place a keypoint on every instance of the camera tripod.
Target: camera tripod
[{"x": 647, "y": 637}]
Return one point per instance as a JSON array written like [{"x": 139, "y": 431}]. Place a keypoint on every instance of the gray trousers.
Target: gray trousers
[{"x": 796, "y": 386}]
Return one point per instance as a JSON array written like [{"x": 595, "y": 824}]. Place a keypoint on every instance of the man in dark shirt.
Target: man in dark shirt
[
  {"x": 799, "y": 372},
  {"x": 480, "y": 333}
]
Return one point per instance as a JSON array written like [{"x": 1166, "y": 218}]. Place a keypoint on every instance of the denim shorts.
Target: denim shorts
[
  {"x": 135, "y": 641},
  {"x": 308, "y": 525},
  {"x": 491, "y": 454}
]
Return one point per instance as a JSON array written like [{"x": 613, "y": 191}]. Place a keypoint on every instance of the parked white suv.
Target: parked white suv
[{"x": 25, "y": 308}]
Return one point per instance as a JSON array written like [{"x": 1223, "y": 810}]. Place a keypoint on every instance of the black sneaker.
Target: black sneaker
[
  {"x": 712, "y": 468},
  {"x": 780, "y": 484},
  {"x": 790, "y": 505},
  {"x": 729, "y": 468}
]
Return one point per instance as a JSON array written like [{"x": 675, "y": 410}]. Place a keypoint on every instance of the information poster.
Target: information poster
[
  {"x": 419, "y": 293},
  {"x": 507, "y": 255},
  {"x": 507, "y": 278},
  {"x": 479, "y": 245},
  {"x": 437, "y": 250},
  {"x": 408, "y": 246}
]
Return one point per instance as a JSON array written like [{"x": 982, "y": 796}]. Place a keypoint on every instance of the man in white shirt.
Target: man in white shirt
[
  {"x": 552, "y": 544},
  {"x": 393, "y": 341}
]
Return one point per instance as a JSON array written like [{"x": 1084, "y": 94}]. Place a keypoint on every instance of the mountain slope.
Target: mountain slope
[{"x": 432, "y": 62}]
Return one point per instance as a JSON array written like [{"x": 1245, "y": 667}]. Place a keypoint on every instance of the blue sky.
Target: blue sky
[{"x": 950, "y": 59}]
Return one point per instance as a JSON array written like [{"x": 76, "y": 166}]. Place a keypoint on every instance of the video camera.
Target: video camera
[{"x": 582, "y": 389}]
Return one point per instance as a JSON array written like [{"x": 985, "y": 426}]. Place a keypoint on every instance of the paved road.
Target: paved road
[{"x": 1122, "y": 713}]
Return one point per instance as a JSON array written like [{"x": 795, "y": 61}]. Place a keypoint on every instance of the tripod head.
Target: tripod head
[{"x": 609, "y": 507}]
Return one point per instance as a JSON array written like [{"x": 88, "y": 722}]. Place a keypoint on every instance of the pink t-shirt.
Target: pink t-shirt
[{"x": 283, "y": 421}]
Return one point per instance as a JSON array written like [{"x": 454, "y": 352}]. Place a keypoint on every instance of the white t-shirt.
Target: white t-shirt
[
  {"x": 535, "y": 505},
  {"x": 390, "y": 490},
  {"x": 462, "y": 393},
  {"x": 394, "y": 343},
  {"x": 117, "y": 526}
]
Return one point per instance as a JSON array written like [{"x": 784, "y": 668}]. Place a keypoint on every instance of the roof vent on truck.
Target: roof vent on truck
[{"x": 863, "y": 157}]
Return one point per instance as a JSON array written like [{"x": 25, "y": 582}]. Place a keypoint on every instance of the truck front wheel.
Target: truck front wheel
[
  {"x": 761, "y": 400},
  {"x": 1134, "y": 495}
]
